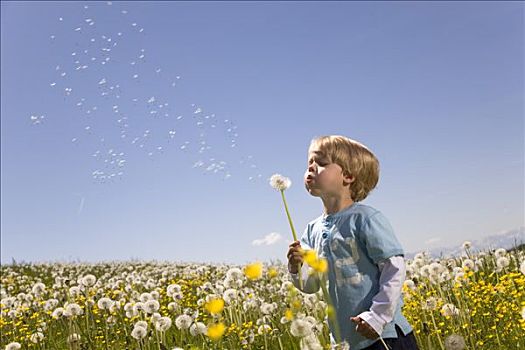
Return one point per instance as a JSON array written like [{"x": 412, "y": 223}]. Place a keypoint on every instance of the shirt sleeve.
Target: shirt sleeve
[
  {"x": 379, "y": 239},
  {"x": 385, "y": 301}
]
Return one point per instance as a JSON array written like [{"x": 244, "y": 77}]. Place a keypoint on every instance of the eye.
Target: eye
[{"x": 321, "y": 161}]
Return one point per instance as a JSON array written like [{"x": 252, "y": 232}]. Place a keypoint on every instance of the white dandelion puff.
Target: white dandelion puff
[
  {"x": 105, "y": 303},
  {"x": 454, "y": 342},
  {"x": 183, "y": 322},
  {"x": 138, "y": 333},
  {"x": 468, "y": 263},
  {"x": 502, "y": 262},
  {"x": 38, "y": 288},
  {"x": 430, "y": 303},
  {"x": 500, "y": 252},
  {"x": 198, "y": 328},
  {"x": 300, "y": 328},
  {"x": 280, "y": 182},
  {"x": 57, "y": 313},
  {"x": 13, "y": 346},
  {"x": 163, "y": 324},
  {"x": 142, "y": 324},
  {"x": 73, "y": 310},
  {"x": 448, "y": 310},
  {"x": 37, "y": 337},
  {"x": 151, "y": 306}
]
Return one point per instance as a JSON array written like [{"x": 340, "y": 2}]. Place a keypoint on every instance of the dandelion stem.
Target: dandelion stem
[
  {"x": 280, "y": 344},
  {"x": 332, "y": 315},
  {"x": 288, "y": 215},
  {"x": 293, "y": 234},
  {"x": 383, "y": 342},
  {"x": 157, "y": 338},
  {"x": 436, "y": 328}
]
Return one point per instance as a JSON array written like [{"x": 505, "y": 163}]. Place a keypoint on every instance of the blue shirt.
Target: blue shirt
[{"x": 353, "y": 241}]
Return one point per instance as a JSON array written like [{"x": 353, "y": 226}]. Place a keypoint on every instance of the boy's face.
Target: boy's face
[{"x": 323, "y": 178}]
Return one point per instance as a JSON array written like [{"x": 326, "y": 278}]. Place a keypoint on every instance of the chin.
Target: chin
[{"x": 313, "y": 192}]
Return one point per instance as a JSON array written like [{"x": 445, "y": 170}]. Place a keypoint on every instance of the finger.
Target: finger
[
  {"x": 370, "y": 333},
  {"x": 294, "y": 254},
  {"x": 293, "y": 250},
  {"x": 364, "y": 332},
  {"x": 369, "y": 336},
  {"x": 295, "y": 259},
  {"x": 296, "y": 251},
  {"x": 295, "y": 244}
]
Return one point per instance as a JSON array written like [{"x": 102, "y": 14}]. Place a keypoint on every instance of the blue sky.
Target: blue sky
[{"x": 435, "y": 89}]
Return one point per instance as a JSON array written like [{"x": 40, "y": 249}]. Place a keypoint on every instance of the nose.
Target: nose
[{"x": 311, "y": 167}]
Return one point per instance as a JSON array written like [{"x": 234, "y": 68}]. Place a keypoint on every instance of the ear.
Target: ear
[{"x": 347, "y": 178}]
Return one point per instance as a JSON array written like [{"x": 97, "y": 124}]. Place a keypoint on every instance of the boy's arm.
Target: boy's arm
[
  {"x": 311, "y": 282},
  {"x": 385, "y": 301}
]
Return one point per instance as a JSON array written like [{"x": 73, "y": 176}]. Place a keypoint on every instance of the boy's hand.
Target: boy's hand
[
  {"x": 295, "y": 257},
  {"x": 364, "y": 328}
]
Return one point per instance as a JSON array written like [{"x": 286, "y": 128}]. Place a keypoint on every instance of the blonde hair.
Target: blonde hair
[{"x": 354, "y": 158}]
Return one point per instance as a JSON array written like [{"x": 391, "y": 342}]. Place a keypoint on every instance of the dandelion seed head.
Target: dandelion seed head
[
  {"x": 13, "y": 346},
  {"x": 183, "y": 322},
  {"x": 301, "y": 328},
  {"x": 454, "y": 342},
  {"x": 280, "y": 182},
  {"x": 138, "y": 333},
  {"x": 198, "y": 328}
]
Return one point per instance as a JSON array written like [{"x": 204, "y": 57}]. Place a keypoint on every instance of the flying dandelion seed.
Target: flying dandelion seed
[{"x": 105, "y": 97}]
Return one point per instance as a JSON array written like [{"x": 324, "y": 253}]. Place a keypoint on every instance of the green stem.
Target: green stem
[
  {"x": 293, "y": 233},
  {"x": 436, "y": 328},
  {"x": 333, "y": 314},
  {"x": 289, "y": 217}
]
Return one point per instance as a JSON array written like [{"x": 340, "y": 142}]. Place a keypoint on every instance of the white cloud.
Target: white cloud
[
  {"x": 433, "y": 240},
  {"x": 269, "y": 239}
]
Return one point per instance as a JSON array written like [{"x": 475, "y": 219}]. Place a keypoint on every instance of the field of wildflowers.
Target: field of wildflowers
[{"x": 476, "y": 301}]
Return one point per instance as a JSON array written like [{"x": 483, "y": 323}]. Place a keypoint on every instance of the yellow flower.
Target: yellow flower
[
  {"x": 288, "y": 314},
  {"x": 330, "y": 311},
  {"x": 216, "y": 331},
  {"x": 272, "y": 272},
  {"x": 215, "y": 306},
  {"x": 309, "y": 256},
  {"x": 253, "y": 271},
  {"x": 321, "y": 265},
  {"x": 317, "y": 263},
  {"x": 296, "y": 304}
]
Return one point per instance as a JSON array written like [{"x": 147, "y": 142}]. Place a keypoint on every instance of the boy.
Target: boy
[{"x": 366, "y": 264}]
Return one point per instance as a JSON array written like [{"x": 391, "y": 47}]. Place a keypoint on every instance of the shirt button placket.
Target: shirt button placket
[{"x": 325, "y": 235}]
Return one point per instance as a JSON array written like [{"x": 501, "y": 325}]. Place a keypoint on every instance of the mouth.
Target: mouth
[{"x": 309, "y": 179}]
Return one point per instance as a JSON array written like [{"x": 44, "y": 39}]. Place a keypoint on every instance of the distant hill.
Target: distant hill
[{"x": 508, "y": 240}]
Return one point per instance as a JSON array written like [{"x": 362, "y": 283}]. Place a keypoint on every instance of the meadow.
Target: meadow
[{"x": 474, "y": 301}]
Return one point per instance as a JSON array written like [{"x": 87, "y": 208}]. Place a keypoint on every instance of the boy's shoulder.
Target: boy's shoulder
[
  {"x": 363, "y": 210},
  {"x": 358, "y": 211},
  {"x": 314, "y": 221}
]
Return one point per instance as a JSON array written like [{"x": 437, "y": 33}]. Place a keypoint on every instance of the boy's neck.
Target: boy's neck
[{"x": 334, "y": 205}]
